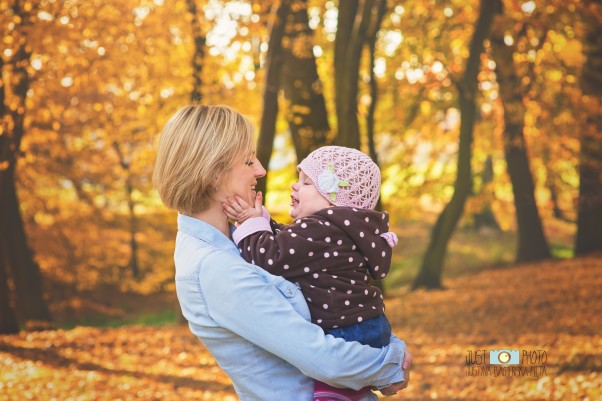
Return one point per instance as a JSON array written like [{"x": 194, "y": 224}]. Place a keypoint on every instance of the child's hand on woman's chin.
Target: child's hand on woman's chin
[{"x": 239, "y": 210}]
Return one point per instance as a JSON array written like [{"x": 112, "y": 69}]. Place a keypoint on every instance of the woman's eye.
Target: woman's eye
[{"x": 250, "y": 163}]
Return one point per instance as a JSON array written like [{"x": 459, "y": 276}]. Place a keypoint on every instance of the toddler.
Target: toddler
[{"x": 335, "y": 246}]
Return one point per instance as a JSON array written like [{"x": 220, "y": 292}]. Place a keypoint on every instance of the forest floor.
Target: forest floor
[{"x": 550, "y": 312}]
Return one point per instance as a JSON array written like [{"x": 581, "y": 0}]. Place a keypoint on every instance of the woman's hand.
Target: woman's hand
[
  {"x": 406, "y": 367},
  {"x": 239, "y": 210}
]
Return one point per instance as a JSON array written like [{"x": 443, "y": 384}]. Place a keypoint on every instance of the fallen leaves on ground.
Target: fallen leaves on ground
[{"x": 551, "y": 307}]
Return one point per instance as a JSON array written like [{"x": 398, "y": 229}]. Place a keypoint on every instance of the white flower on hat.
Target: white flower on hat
[{"x": 329, "y": 183}]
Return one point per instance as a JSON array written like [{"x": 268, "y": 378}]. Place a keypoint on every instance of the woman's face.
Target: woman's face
[
  {"x": 242, "y": 178},
  {"x": 305, "y": 198}
]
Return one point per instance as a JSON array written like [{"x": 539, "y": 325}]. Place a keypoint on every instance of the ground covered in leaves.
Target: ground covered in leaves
[{"x": 549, "y": 312}]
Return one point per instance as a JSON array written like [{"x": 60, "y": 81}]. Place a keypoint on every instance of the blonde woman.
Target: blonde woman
[{"x": 256, "y": 325}]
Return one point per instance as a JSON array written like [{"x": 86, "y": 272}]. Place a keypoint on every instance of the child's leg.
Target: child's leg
[
  {"x": 375, "y": 332},
  {"x": 324, "y": 392}
]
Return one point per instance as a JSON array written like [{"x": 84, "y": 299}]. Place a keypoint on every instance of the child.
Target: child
[{"x": 332, "y": 249}]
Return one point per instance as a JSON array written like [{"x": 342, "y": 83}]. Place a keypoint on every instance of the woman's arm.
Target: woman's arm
[{"x": 241, "y": 300}]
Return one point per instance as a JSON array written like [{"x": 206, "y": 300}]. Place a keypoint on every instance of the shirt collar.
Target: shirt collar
[{"x": 206, "y": 233}]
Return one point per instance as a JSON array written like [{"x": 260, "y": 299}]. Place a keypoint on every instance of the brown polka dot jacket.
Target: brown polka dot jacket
[{"x": 331, "y": 254}]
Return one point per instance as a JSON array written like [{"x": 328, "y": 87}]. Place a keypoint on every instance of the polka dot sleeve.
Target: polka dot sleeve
[{"x": 290, "y": 252}]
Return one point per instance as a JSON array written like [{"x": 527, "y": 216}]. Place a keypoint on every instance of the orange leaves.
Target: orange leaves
[
  {"x": 552, "y": 307},
  {"x": 132, "y": 363}
]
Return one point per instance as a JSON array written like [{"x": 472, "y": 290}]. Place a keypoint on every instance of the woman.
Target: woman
[{"x": 255, "y": 324}]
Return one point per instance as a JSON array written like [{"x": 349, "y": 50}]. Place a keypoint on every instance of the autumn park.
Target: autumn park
[{"x": 484, "y": 118}]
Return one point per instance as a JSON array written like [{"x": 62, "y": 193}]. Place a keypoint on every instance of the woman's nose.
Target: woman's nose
[{"x": 259, "y": 170}]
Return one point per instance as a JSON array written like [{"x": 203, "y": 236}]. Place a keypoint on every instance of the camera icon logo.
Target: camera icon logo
[{"x": 504, "y": 357}]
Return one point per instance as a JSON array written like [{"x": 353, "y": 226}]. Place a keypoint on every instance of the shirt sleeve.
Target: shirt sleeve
[
  {"x": 241, "y": 300},
  {"x": 289, "y": 253}
]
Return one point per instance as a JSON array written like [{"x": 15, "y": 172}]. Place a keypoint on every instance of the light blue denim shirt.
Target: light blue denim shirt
[{"x": 257, "y": 326}]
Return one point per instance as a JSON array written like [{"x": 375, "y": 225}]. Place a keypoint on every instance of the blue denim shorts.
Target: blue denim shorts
[{"x": 375, "y": 332}]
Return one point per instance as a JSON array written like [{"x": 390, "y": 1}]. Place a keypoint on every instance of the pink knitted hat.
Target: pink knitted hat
[{"x": 344, "y": 176}]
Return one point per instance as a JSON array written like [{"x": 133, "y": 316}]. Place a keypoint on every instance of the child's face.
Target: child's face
[{"x": 305, "y": 198}]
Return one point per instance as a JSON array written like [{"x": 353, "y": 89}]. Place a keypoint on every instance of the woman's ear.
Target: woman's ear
[{"x": 216, "y": 183}]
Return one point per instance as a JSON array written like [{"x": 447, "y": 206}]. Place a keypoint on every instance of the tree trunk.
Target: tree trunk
[
  {"x": 358, "y": 23},
  {"x": 485, "y": 216},
  {"x": 429, "y": 275},
  {"x": 24, "y": 271},
  {"x": 133, "y": 263},
  {"x": 5, "y": 148},
  {"x": 199, "y": 52},
  {"x": 556, "y": 210},
  {"x": 8, "y": 319},
  {"x": 345, "y": 23},
  {"x": 550, "y": 184},
  {"x": 589, "y": 213},
  {"x": 274, "y": 61},
  {"x": 353, "y": 22},
  {"x": 305, "y": 106},
  {"x": 380, "y": 9},
  {"x": 125, "y": 163},
  {"x": 532, "y": 243}
]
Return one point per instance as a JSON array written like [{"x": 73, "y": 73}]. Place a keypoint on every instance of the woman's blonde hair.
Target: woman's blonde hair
[{"x": 197, "y": 148}]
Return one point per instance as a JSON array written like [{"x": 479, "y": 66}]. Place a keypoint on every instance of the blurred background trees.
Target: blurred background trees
[{"x": 86, "y": 87}]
